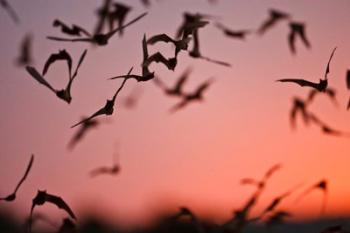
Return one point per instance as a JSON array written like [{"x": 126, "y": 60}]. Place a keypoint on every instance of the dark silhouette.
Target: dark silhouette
[
  {"x": 197, "y": 95},
  {"x": 348, "y": 86},
  {"x": 108, "y": 109},
  {"x": 25, "y": 56},
  {"x": 74, "y": 30},
  {"x": 12, "y": 196},
  {"x": 321, "y": 86},
  {"x": 4, "y": 4},
  {"x": 42, "y": 197},
  {"x": 68, "y": 226},
  {"x": 181, "y": 44},
  {"x": 330, "y": 92},
  {"x": 103, "y": 16},
  {"x": 299, "y": 107},
  {"x": 297, "y": 30},
  {"x": 118, "y": 14},
  {"x": 61, "y": 55},
  {"x": 186, "y": 212},
  {"x": 321, "y": 185},
  {"x": 98, "y": 39},
  {"x": 275, "y": 16},
  {"x": 112, "y": 170},
  {"x": 146, "y": 74},
  {"x": 236, "y": 34},
  {"x": 191, "y": 22},
  {"x": 177, "y": 89},
  {"x": 158, "y": 57},
  {"x": 64, "y": 94},
  {"x": 327, "y": 129},
  {"x": 82, "y": 131},
  {"x": 261, "y": 183}
]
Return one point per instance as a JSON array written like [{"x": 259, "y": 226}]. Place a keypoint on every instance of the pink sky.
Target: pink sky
[{"x": 197, "y": 156}]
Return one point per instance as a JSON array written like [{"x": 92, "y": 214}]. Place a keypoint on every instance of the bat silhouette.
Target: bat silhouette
[
  {"x": 197, "y": 95},
  {"x": 191, "y": 22},
  {"x": 275, "y": 16},
  {"x": 61, "y": 55},
  {"x": 108, "y": 109},
  {"x": 74, "y": 30},
  {"x": 327, "y": 129},
  {"x": 98, "y": 39},
  {"x": 103, "y": 16},
  {"x": 321, "y": 185},
  {"x": 119, "y": 14},
  {"x": 146, "y": 74},
  {"x": 323, "y": 83},
  {"x": 177, "y": 89},
  {"x": 297, "y": 30},
  {"x": 299, "y": 107},
  {"x": 6, "y": 6},
  {"x": 181, "y": 44},
  {"x": 64, "y": 94},
  {"x": 330, "y": 92},
  {"x": 112, "y": 170},
  {"x": 12, "y": 196},
  {"x": 261, "y": 183},
  {"x": 348, "y": 86},
  {"x": 186, "y": 212},
  {"x": 236, "y": 34},
  {"x": 25, "y": 57},
  {"x": 43, "y": 197},
  {"x": 158, "y": 57},
  {"x": 277, "y": 218},
  {"x": 195, "y": 52},
  {"x": 82, "y": 131}
]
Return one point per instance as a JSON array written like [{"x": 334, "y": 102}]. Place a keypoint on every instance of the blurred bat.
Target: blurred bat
[
  {"x": 61, "y": 55},
  {"x": 108, "y": 109},
  {"x": 103, "y": 16},
  {"x": 119, "y": 14},
  {"x": 327, "y": 129},
  {"x": 321, "y": 86},
  {"x": 112, "y": 170},
  {"x": 177, "y": 89},
  {"x": 181, "y": 44},
  {"x": 275, "y": 16},
  {"x": 25, "y": 57},
  {"x": 191, "y": 22},
  {"x": 330, "y": 92},
  {"x": 297, "y": 30},
  {"x": 197, "y": 95},
  {"x": 236, "y": 34},
  {"x": 98, "y": 39},
  {"x": 261, "y": 183},
  {"x": 12, "y": 196},
  {"x": 7, "y": 7},
  {"x": 82, "y": 131},
  {"x": 321, "y": 185},
  {"x": 299, "y": 106},
  {"x": 74, "y": 30},
  {"x": 43, "y": 197},
  {"x": 146, "y": 74},
  {"x": 348, "y": 86},
  {"x": 158, "y": 57}
]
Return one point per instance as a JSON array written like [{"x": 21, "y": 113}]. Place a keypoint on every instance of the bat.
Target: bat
[
  {"x": 158, "y": 57},
  {"x": 112, "y": 170},
  {"x": 181, "y": 44},
  {"x": 297, "y": 30},
  {"x": 236, "y": 34},
  {"x": 25, "y": 57},
  {"x": 74, "y": 30},
  {"x": 6, "y": 6},
  {"x": 275, "y": 16},
  {"x": 12, "y": 196},
  {"x": 61, "y": 55}
]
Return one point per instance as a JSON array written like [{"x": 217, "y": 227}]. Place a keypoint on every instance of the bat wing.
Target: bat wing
[
  {"x": 60, "y": 203},
  {"x": 99, "y": 112},
  {"x": 25, "y": 174},
  {"x": 291, "y": 41},
  {"x": 111, "y": 33},
  {"x": 217, "y": 61},
  {"x": 82, "y": 57},
  {"x": 348, "y": 79},
  {"x": 272, "y": 170},
  {"x": 301, "y": 82},
  {"x": 329, "y": 61},
  {"x": 99, "y": 171},
  {"x": 35, "y": 74},
  {"x": 160, "y": 37},
  {"x": 70, "y": 40},
  {"x": 61, "y": 55}
]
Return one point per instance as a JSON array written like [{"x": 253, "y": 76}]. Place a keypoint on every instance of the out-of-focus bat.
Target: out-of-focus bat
[
  {"x": 25, "y": 57},
  {"x": 275, "y": 16},
  {"x": 297, "y": 30}
]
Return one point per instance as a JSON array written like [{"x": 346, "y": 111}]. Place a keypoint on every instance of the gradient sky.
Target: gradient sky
[{"x": 197, "y": 156}]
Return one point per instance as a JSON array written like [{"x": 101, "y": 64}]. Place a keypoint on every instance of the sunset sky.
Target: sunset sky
[{"x": 196, "y": 156}]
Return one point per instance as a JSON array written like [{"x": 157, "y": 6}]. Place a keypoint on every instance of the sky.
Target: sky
[{"x": 197, "y": 156}]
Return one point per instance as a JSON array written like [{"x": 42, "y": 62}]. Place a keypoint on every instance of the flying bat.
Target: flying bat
[
  {"x": 297, "y": 30},
  {"x": 6, "y": 6},
  {"x": 191, "y": 22},
  {"x": 98, "y": 39},
  {"x": 64, "y": 94},
  {"x": 111, "y": 170},
  {"x": 61, "y": 55},
  {"x": 43, "y": 197},
  {"x": 108, "y": 109},
  {"x": 103, "y": 16},
  {"x": 118, "y": 14},
  {"x": 330, "y": 92},
  {"x": 12, "y": 196},
  {"x": 180, "y": 44},
  {"x": 321, "y": 185},
  {"x": 299, "y": 107},
  {"x": 323, "y": 83},
  {"x": 25, "y": 57},
  {"x": 197, "y": 95},
  {"x": 327, "y": 129},
  {"x": 82, "y": 131},
  {"x": 261, "y": 183},
  {"x": 236, "y": 34},
  {"x": 74, "y": 30},
  {"x": 275, "y": 16},
  {"x": 158, "y": 57}
]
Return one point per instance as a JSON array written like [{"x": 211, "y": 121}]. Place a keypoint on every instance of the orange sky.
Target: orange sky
[{"x": 196, "y": 156}]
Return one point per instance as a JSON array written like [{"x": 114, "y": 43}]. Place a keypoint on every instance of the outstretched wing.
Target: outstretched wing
[
  {"x": 61, "y": 55},
  {"x": 60, "y": 203},
  {"x": 79, "y": 63},
  {"x": 99, "y": 112},
  {"x": 301, "y": 82},
  {"x": 35, "y": 74},
  {"x": 158, "y": 38},
  {"x": 25, "y": 174},
  {"x": 88, "y": 39},
  {"x": 329, "y": 61}
]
